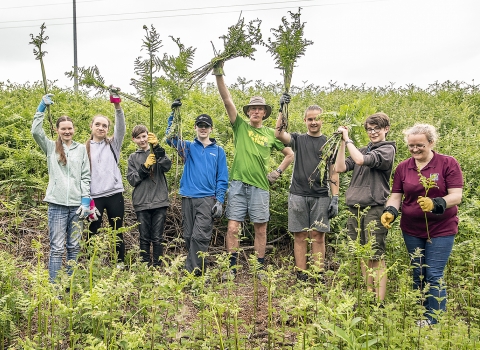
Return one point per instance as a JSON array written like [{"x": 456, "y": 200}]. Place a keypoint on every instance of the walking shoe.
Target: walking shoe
[{"x": 228, "y": 276}]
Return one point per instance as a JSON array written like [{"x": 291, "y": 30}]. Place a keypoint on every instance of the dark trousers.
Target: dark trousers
[
  {"x": 197, "y": 229},
  {"x": 115, "y": 207},
  {"x": 152, "y": 224}
]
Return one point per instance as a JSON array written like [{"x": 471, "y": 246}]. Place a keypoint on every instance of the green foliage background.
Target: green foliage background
[
  {"x": 140, "y": 308},
  {"x": 453, "y": 107}
]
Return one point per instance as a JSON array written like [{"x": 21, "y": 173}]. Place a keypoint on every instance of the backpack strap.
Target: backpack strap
[{"x": 113, "y": 152}]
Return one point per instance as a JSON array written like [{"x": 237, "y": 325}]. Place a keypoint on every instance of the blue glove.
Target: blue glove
[
  {"x": 84, "y": 210},
  {"x": 46, "y": 101},
  {"x": 333, "y": 207}
]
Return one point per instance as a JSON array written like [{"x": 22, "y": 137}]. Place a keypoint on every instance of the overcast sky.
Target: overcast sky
[{"x": 376, "y": 42}]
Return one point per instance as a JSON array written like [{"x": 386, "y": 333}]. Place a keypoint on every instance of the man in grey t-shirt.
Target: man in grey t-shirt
[{"x": 310, "y": 207}]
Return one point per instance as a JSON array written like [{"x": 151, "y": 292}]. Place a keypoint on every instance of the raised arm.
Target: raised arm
[
  {"x": 280, "y": 133},
  {"x": 226, "y": 98}
]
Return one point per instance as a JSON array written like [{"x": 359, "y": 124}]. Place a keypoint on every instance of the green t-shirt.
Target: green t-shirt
[{"x": 252, "y": 153}]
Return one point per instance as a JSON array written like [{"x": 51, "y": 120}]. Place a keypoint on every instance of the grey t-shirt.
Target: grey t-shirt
[{"x": 306, "y": 176}]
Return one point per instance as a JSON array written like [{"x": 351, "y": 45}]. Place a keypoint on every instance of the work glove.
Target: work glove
[
  {"x": 176, "y": 103},
  {"x": 218, "y": 68},
  {"x": 46, "y": 101},
  {"x": 333, "y": 207},
  {"x": 273, "y": 176},
  {"x": 83, "y": 210},
  {"x": 150, "y": 161},
  {"x": 114, "y": 96},
  {"x": 152, "y": 139},
  {"x": 95, "y": 213},
  {"x": 389, "y": 215},
  {"x": 217, "y": 210},
  {"x": 285, "y": 99},
  {"x": 159, "y": 152},
  {"x": 435, "y": 205}
]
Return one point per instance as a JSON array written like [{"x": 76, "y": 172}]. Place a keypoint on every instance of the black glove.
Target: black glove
[
  {"x": 333, "y": 207},
  {"x": 285, "y": 99},
  {"x": 176, "y": 103},
  {"x": 440, "y": 205},
  {"x": 159, "y": 152}
]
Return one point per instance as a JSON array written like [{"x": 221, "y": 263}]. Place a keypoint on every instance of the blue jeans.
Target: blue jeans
[
  {"x": 430, "y": 265},
  {"x": 64, "y": 225}
]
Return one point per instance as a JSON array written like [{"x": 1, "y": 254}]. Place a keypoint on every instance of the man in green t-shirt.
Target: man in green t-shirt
[{"x": 250, "y": 178}]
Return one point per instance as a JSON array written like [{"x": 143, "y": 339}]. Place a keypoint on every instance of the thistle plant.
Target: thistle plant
[
  {"x": 147, "y": 84},
  {"x": 38, "y": 41},
  {"x": 427, "y": 183},
  {"x": 351, "y": 116},
  {"x": 238, "y": 42},
  {"x": 91, "y": 78},
  {"x": 286, "y": 48}
]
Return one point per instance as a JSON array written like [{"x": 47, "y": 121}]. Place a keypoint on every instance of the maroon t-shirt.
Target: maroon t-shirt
[{"x": 447, "y": 174}]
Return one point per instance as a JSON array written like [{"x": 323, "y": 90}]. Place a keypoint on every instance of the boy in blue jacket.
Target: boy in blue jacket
[
  {"x": 202, "y": 187},
  {"x": 146, "y": 172}
]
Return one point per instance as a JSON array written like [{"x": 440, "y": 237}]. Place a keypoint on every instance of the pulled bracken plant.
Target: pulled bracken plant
[
  {"x": 38, "y": 41},
  {"x": 286, "y": 48},
  {"x": 238, "y": 42}
]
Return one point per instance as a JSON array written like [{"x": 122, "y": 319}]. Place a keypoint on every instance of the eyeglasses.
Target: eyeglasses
[
  {"x": 412, "y": 147},
  {"x": 203, "y": 126},
  {"x": 375, "y": 130}
]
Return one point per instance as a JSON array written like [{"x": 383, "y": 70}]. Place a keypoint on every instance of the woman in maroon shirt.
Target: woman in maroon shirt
[{"x": 440, "y": 207}]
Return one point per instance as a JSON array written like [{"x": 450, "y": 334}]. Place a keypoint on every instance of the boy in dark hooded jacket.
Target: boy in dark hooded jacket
[{"x": 146, "y": 172}]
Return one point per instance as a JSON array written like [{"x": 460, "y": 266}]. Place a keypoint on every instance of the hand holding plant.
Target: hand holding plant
[
  {"x": 238, "y": 42},
  {"x": 38, "y": 41},
  {"x": 286, "y": 48}
]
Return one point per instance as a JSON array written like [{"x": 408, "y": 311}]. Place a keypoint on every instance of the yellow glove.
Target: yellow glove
[
  {"x": 150, "y": 161},
  {"x": 386, "y": 219},
  {"x": 152, "y": 139},
  {"x": 425, "y": 203}
]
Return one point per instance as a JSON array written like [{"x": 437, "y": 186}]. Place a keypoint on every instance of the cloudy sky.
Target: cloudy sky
[{"x": 375, "y": 42}]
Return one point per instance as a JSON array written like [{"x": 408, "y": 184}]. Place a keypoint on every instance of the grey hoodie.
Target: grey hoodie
[
  {"x": 106, "y": 176},
  {"x": 67, "y": 184},
  {"x": 370, "y": 184}
]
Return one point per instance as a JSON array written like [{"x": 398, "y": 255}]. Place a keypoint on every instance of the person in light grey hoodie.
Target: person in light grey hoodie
[
  {"x": 68, "y": 191},
  {"x": 106, "y": 187}
]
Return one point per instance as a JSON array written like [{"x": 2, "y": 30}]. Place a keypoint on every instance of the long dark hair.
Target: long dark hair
[{"x": 62, "y": 158}]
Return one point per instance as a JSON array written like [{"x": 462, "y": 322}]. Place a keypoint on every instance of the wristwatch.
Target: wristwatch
[
  {"x": 349, "y": 141},
  {"x": 280, "y": 171}
]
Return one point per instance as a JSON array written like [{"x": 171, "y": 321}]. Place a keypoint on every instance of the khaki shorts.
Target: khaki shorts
[{"x": 380, "y": 232}]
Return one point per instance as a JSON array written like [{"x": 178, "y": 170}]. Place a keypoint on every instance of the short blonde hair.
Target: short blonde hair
[{"x": 422, "y": 129}]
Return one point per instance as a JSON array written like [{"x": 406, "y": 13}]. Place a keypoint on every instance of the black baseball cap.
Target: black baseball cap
[{"x": 204, "y": 118}]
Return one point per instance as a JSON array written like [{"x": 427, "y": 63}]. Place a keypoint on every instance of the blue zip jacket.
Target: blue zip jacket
[{"x": 205, "y": 173}]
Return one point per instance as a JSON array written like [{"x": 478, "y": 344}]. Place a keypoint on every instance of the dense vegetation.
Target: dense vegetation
[{"x": 138, "y": 308}]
